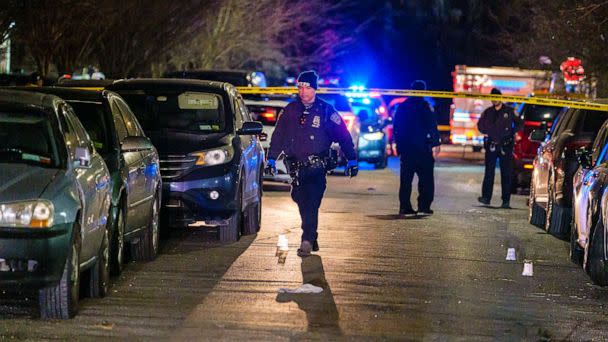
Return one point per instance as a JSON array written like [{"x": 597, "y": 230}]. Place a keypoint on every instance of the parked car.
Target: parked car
[
  {"x": 524, "y": 150},
  {"x": 54, "y": 204},
  {"x": 373, "y": 142},
  {"x": 211, "y": 159},
  {"x": 134, "y": 167},
  {"x": 550, "y": 202},
  {"x": 267, "y": 111},
  {"x": 238, "y": 78},
  {"x": 590, "y": 207}
]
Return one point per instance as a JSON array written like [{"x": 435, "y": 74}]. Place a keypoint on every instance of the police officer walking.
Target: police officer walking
[
  {"x": 499, "y": 124},
  {"x": 418, "y": 141},
  {"x": 304, "y": 133}
]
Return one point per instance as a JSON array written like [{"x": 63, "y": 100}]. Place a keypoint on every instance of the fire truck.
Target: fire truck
[{"x": 465, "y": 113}]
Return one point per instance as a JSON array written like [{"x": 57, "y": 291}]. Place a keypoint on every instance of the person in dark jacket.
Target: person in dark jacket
[
  {"x": 418, "y": 143},
  {"x": 303, "y": 134},
  {"x": 498, "y": 123}
]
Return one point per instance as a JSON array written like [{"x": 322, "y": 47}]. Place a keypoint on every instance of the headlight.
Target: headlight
[
  {"x": 30, "y": 214},
  {"x": 373, "y": 136},
  {"x": 213, "y": 157}
]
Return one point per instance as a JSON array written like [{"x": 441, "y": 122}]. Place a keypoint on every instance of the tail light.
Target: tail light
[
  {"x": 349, "y": 120},
  {"x": 267, "y": 115}
]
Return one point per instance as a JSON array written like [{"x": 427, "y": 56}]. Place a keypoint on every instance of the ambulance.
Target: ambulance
[{"x": 465, "y": 113}]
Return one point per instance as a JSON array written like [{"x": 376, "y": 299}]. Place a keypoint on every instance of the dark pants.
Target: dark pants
[
  {"x": 308, "y": 193},
  {"x": 506, "y": 171},
  {"x": 421, "y": 164}
]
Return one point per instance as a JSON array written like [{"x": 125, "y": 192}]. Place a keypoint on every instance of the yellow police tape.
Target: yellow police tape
[{"x": 545, "y": 101}]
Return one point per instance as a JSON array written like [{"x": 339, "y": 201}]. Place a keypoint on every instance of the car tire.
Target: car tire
[
  {"x": 477, "y": 148},
  {"x": 230, "y": 231},
  {"x": 536, "y": 214},
  {"x": 117, "y": 245},
  {"x": 596, "y": 264},
  {"x": 61, "y": 301},
  {"x": 557, "y": 219},
  {"x": 576, "y": 252},
  {"x": 146, "y": 248},
  {"x": 99, "y": 275},
  {"x": 253, "y": 216},
  {"x": 381, "y": 164}
]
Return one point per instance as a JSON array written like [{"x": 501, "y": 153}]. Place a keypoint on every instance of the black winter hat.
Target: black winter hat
[
  {"x": 308, "y": 78},
  {"x": 495, "y": 91}
]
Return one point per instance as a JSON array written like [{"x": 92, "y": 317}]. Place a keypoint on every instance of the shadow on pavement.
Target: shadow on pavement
[
  {"x": 497, "y": 207},
  {"x": 273, "y": 186},
  {"x": 396, "y": 217},
  {"x": 321, "y": 311}
]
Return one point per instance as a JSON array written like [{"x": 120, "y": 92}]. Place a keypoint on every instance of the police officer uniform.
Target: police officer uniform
[
  {"x": 415, "y": 131},
  {"x": 304, "y": 134},
  {"x": 499, "y": 126}
]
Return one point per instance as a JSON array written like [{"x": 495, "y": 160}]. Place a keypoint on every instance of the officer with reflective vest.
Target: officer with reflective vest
[
  {"x": 304, "y": 133},
  {"x": 499, "y": 124}
]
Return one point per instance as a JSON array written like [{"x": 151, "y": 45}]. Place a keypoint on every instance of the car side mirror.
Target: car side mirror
[
  {"x": 83, "y": 157},
  {"x": 537, "y": 135},
  {"x": 583, "y": 156},
  {"x": 250, "y": 128},
  {"x": 134, "y": 144}
]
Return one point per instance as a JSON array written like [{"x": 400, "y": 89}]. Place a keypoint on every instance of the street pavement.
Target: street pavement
[{"x": 442, "y": 277}]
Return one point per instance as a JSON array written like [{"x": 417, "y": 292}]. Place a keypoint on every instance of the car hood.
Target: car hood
[
  {"x": 172, "y": 142},
  {"x": 22, "y": 182}
]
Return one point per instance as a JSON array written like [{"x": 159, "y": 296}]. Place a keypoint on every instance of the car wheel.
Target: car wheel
[
  {"x": 381, "y": 164},
  {"x": 99, "y": 277},
  {"x": 117, "y": 246},
  {"x": 535, "y": 212},
  {"x": 576, "y": 252},
  {"x": 61, "y": 301},
  {"x": 230, "y": 231},
  {"x": 253, "y": 216},
  {"x": 557, "y": 219},
  {"x": 596, "y": 261},
  {"x": 146, "y": 248},
  {"x": 477, "y": 148}
]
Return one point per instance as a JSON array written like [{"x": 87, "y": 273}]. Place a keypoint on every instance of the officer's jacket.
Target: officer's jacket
[
  {"x": 415, "y": 127},
  {"x": 322, "y": 127},
  {"x": 499, "y": 125}
]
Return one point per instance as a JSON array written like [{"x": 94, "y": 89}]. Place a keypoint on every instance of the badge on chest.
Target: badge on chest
[{"x": 316, "y": 121}]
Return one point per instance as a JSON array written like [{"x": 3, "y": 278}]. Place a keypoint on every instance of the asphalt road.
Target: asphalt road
[{"x": 443, "y": 277}]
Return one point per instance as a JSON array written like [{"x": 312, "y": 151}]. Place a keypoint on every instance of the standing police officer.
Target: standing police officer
[
  {"x": 499, "y": 124},
  {"x": 417, "y": 139},
  {"x": 304, "y": 133}
]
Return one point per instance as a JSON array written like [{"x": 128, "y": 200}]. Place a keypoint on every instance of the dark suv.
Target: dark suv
[
  {"x": 133, "y": 164},
  {"x": 211, "y": 158},
  {"x": 550, "y": 203}
]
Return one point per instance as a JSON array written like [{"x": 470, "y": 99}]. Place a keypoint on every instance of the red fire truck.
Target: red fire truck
[{"x": 464, "y": 113}]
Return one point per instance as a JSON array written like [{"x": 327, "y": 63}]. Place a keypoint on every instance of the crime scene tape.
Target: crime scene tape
[{"x": 430, "y": 93}]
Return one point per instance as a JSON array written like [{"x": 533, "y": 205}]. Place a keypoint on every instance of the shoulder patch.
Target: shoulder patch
[{"x": 335, "y": 117}]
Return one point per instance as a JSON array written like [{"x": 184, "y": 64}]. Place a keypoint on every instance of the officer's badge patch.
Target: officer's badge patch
[
  {"x": 506, "y": 115},
  {"x": 316, "y": 122},
  {"x": 335, "y": 117}
]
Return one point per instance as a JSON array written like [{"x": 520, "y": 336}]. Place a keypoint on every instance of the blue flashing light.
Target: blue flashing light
[
  {"x": 357, "y": 87},
  {"x": 367, "y": 101}
]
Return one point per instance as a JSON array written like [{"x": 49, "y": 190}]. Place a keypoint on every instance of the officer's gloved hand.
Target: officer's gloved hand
[
  {"x": 352, "y": 168},
  {"x": 271, "y": 167}
]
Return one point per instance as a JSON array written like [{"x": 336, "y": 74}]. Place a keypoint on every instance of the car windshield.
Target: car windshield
[
  {"x": 180, "y": 111},
  {"x": 340, "y": 102},
  {"x": 92, "y": 117},
  {"x": 28, "y": 137},
  {"x": 539, "y": 113}
]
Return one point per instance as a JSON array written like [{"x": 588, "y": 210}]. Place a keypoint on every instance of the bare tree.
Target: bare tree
[
  {"x": 236, "y": 33},
  {"x": 139, "y": 32}
]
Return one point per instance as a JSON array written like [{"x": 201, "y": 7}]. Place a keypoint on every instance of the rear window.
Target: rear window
[
  {"x": 28, "y": 137},
  {"x": 539, "y": 113},
  {"x": 339, "y": 102},
  {"x": 92, "y": 117},
  {"x": 592, "y": 121},
  {"x": 181, "y": 111}
]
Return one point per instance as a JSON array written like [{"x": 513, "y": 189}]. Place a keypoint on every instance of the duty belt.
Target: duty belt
[{"x": 313, "y": 161}]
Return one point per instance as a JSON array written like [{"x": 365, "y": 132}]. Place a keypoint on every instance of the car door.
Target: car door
[
  {"x": 546, "y": 154},
  {"x": 132, "y": 169},
  {"x": 251, "y": 157},
  {"x": 148, "y": 175},
  {"x": 94, "y": 185}
]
